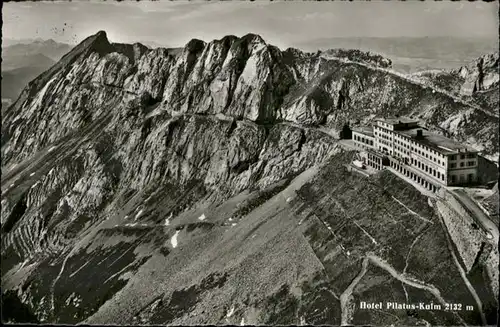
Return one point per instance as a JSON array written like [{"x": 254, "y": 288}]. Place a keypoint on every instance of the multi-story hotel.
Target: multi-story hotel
[{"x": 428, "y": 158}]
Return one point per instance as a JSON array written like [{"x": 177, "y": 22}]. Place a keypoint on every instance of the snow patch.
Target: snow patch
[
  {"x": 242, "y": 323},
  {"x": 230, "y": 312},
  {"x": 202, "y": 217},
  {"x": 250, "y": 71},
  {"x": 138, "y": 214},
  {"x": 32, "y": 174},
  {"x": 173, "y": 240},
  {"x": 52, "y": 149},
  {"x": 234, "y": 224},
  {"x": 167, "y": 220},
  {"x": 288, "y": 200}
]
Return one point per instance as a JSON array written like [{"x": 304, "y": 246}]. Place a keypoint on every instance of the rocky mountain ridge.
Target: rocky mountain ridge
[
  {"x": 178, "y": 168},
  {"x": 477, "y": 82},
  {"x": 240, "y": 78}
]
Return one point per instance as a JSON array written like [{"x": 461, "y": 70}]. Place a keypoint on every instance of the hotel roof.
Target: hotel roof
[
  {"x": 436, "y": 142},
  {"x": 367, "y": 130},
  {"x": 397, "y": 120}
]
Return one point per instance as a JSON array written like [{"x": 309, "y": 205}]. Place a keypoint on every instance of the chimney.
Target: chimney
[{"x": 419, "y": 134}]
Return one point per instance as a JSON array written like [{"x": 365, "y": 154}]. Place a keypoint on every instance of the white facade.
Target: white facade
[
  {"x": 437, "y": 163},
  {"x": 363, "y": 140}
]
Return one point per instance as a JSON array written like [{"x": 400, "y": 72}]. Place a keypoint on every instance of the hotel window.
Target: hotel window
[
  {"x": 462, "y": 156},
  {"x": 453, "y": 165},
  {"x": 438, "y": 175},
  {"x": 453, "y": 157},
  {"x": 462, "y": 164},
  {"x": 471, "y": 155},
  {"x": 470, "y": 163}
]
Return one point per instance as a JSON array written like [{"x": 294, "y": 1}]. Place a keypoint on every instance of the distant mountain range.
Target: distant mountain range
[
  {"x": 25, "y": 60},
  {"x": 153, "y": 44},
  {"x": 411, "y": 54}
]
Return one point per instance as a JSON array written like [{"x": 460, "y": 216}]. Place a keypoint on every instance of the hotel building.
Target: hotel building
[{"x": 428, "y": 158}]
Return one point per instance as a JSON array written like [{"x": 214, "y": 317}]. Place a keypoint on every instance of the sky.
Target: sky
[{"x": 174, "y": 23}]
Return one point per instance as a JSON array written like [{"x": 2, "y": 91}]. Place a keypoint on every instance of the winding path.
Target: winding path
[{"x": 347, "y": 309}]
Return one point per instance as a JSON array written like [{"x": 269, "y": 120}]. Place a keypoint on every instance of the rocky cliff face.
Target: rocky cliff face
[
  {"x": 476, "y": 83},
  {"x": 176, "y": 168},
  {"x": 244, "y": 79},
  {"x": 481, "y": 75}
]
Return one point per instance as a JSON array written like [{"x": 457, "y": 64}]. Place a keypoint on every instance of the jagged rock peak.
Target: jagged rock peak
[
  {"x": 100, "y": 39},
  {"x": 132, "y": 51},
  {"x": 253, "y": 37},
  {"x": 480, "y": 74},
  {"x": 195, "y": 45}
]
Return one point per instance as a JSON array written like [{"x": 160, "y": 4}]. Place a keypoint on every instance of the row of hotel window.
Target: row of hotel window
[
  {"x": 402, "y": 141},
  {"x": 452, "y": 164},
  {"x": 463, "y": 156},
  {"x": 418, "y": 151},
  {"x": 363, "y": 140},
  {"x": 427, "y": 169},
  {"x": 462, "y": 164},
  {"x": 402, "y": 146},
  {"x": 426, "y": 155},
  {"x": 415, "y": 148}
]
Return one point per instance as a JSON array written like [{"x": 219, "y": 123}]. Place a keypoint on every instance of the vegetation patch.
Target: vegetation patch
[{"x": 183, "y": 301}]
